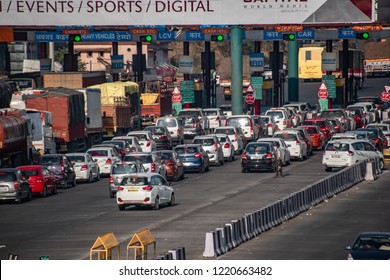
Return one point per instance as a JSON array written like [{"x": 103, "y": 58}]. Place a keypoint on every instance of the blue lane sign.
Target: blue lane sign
[
  {"x": 346, "y": 33},
  {"x": 256, "y": 62},
  {"x": 305, "y": 35},
  {"x": 117, "y": 63},
  {"x": 272, "y": 35},
  {"x": 107, "y": 36},
  {"x": 166, "y": 36},
  {"x": 194, "y": 36}
]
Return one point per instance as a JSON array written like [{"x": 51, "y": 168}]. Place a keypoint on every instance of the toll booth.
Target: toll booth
[
  {"x": 139, "y": 243},
  {"x": 104, "y": 246}
]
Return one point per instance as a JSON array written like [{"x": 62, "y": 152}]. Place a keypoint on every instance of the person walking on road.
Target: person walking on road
[{"x": 279, "y": 163}]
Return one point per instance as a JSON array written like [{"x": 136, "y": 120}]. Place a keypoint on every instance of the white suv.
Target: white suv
[
  {"x": 280, "y": 117},
  {"x": 145, "y": 140},
  {"x": 175, "y": 126},
  {"x": 212, "y": 146},
  {"x": 246, "y": 123}
]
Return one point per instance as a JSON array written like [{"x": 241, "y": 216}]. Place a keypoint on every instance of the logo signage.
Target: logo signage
[
  {"x": 249, "y": 99},
  {"x": 176, "y": 98}
]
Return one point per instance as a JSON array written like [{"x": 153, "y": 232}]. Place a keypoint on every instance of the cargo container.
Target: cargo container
[
  {"x": 68, "y": 115},
  {"x": 120, "y": 107},
  {"x": 73, "y": 79},
  {"x": 14, "y": 137},
  {"x": 93, "y": 116}
]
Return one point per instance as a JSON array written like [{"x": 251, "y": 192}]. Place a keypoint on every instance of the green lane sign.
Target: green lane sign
[{"x": 187, "y": 91}]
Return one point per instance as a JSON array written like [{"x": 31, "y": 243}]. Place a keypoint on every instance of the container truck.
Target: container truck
[
  {"x": 68, "y": 116},
  {"x": 42, "y": 132}
]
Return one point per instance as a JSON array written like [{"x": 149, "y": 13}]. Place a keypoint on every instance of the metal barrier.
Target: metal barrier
[{"x": 252, "y": 224}]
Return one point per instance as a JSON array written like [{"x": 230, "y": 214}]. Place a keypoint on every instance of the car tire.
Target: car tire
[
  {"x": 156, "y": 205},
  {"x": 121, "y": 207},
  {"x": 44, "y": 192},
  {"x": 90, "y": 177},
  {"x": 328, "y": 169},
  {"x": 55, "y": 189},
  {"x": 173, "y": 200}
]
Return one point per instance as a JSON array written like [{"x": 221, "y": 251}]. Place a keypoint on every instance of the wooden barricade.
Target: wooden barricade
[
  {"x": 139, "y": 242},
  {"x": 104, "y": 246}
]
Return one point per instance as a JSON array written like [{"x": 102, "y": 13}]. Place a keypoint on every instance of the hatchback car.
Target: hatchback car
[
  {"x": 175, "y": 126},
  {"x": 370, "y": 246},
  {"x": 62, "y": 168},
  {"x": 194, "y": 158},
  {"x": 145, "y": 189},
  {"x": 105, "y": 157},
  {"x": 121, "y": 169},
  {"x": 227, "y": 147},
  {"x": 173, "y": 164},
  {"x": 42, "y": 181},
  {"x": 346, "y": 152},
  {"x": 236, "y": 137},
  {"x": 14, "y": 185},
  {"x": 151, "y": 162},
  {"x": 85, "y": 167},
  {"x": 283, "y": 148},
  {"x": 296, "y": 144},
  {"x": 212, "y": 146},
  {"x": 161, "y": 135},
  {"x": 145, "y": 140},
  {"x": 258, "y": 156}
]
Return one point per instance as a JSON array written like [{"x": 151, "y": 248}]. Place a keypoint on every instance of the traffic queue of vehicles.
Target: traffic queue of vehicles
[{"x": 291, "y": 132}]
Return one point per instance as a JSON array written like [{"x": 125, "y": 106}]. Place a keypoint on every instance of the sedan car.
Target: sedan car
[
  {"x": 14, "y": 185},
  {"x": 258, "y": 156},
  {"x": 144, "y": 189},
  {"x": 42, "y": 181},
  {"x": 194, "y": 157},
  {"x": 161, "y": 135},
  {"x": 85, "y": 167},
  {"x": 105, "y": 157},
  {"x": 62, "y": 168},
  {"x": 227, "y": 147},
  {"x": 173, "y": 164},
  {"x": 370, "y": 246},
  {"x": 151, "y": 162},
  {"x": 121, "y": 169}
]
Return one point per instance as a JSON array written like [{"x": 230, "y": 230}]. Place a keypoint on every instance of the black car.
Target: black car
[
  {"x": 370, "y": 246},
  {"x": 14, "y": 185},
  {"x": 161, "y": 136},
  {"x": 258, "y": 156}
]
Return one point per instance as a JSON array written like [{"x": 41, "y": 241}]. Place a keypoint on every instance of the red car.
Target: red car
[
  {"x": 318, "y": 138},
  {"x": 324, "y": 125},
  {"x": 42, "y": 181},
  {"x": 173, "y": 164}
]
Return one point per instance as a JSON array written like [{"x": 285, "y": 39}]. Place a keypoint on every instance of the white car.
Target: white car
[
  {"x": 270, "y": 123},
  {"x": 175, "y": 126},
  {"x": 149, "y": 189},
  {"x": 105, "y": 157},
  {"x": 85, "y": 167},
  {"x": 227, "y": 146},
  {"x": 284, "y": 151},
  {"x": 145, "y": 140},
  {"x": 233, "y": 133},
  {"x": 132, "y": 141},
  {"x": 281, "y": 117},
  {"x": 246, "y": 123},
  {"x": 216, "y": 117},
  {"x": 346, "y": 152},
  {"x": 211, "y": 145},
  {"x": 295, "y": 143},
  {"x": 151, "y": 162}
]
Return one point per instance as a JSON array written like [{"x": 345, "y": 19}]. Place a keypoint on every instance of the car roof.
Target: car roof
[
  {"x": 75, "y": 154},
  {"x": 350, "y": 141},
  {"x": 188, "y": 145},
  {"x": 138, "y": 154},
  {"x": 286, "y": 131}
]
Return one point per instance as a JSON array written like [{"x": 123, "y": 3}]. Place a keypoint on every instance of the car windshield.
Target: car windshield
[
  {"x": 266, "y": 120},
  {"x": 258, "y": 149},
  {"x": 167, "y": 122},
  {"x": 382, "y": 127},
  {"x": 189, "y": 121},
  {"x": 204, "y": 141},
  {"x": 372, "y": 243},
  {"x": 141, "y": 158},
  {"x": 275, "y": 114},
  {"x": 227, "y": 131},
  {"x": 77, "y": 158},
  {"x": 210, "y": 112},
  {"x": 98, "y": 153},
  {"x": 141, "y": 137},
  {"x": 340, "y": 147},
  {"x": 135, "y": 181},
  {"x": 238, "y": 122},
  {"x": 50, "y": 160},
  {"x": 286, "y": 136},
  {"x": 186, "y": 150},
  {"x": 30, "y": 172},
  {"x": 371, "y": 134},
  {"x": 128, "y": 140},
  {"x": 124, "y": 169},
  {"x": 188, "y": 113},
  {"x": 7, "y": 176}
]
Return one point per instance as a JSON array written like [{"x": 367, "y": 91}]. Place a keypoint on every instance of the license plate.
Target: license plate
[
  {"x": 257, "y": 157},
  {"x": 132, "y": 190},
  {"x": 335, "y": 156}
]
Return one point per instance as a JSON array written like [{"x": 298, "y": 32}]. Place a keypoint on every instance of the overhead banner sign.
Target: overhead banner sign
[
  {"x": 183, "y": 12},
  {"x": 105, "y": 36}
]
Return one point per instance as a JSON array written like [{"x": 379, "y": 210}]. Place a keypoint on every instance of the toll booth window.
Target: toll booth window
[{"x": 308, "y": 55}]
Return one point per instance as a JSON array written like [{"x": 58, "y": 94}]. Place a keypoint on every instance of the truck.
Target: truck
[
  {"x": 14, "y": 138},
  {"x": 377, "y": 67},
  {"x": 42, "y": 131},
  {"x": 153, "y": 106},
  {"x": 93, "y": 116},
  {"x": 119, "y": 107},
  {"x": 68, "y": 116}
]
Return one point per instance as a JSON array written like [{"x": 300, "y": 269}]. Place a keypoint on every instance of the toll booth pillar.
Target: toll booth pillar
[
  {"x": 293, "y": 81},
  {"x": 236, "y": 62}
]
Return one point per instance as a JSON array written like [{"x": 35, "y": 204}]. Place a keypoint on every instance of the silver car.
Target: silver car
[
  {"x": 14, "y": 185},
  {"x": 212, "y": 146},
  {"x": 85, "y": 167},
  {"x": 119, "y": 170},
  {"x": 151, "y": 162},
  {"x": 105, "y": 157}
]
